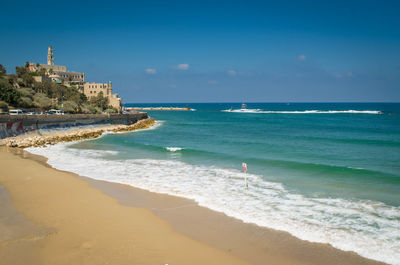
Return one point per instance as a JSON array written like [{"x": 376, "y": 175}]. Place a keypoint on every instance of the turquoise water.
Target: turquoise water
[{"x": 323, "y": 172}]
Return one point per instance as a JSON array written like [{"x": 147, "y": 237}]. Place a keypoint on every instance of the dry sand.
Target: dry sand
[
  {"x": 73, "y": 223},
  {"x": 52, "y": 217}
]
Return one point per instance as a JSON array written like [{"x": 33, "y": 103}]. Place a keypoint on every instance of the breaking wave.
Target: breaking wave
[
  {"x": 369, "y": 228},
  {"x": 304, "y": 111},
  {"x": 174, "y": 149}
]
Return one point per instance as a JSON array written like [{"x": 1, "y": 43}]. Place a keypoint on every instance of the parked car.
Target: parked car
[
  {"x": 15, "y": 112},
  {"x": 55, "y": 112}
]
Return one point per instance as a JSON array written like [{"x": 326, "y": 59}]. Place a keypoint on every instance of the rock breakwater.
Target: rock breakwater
[{"x": 39, "y": 138}]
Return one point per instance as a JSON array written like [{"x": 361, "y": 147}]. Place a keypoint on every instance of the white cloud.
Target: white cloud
[
  {"x": 345, "y": 75},
  {"x": 182, "y": 66},
  {"x": 151, "y": 71},
  {"x": 232, "y": 72},
  {"x": 301, "y": 57},
  {"x": 338, "y": 75}
]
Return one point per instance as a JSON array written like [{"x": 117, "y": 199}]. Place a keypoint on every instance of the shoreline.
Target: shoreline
[
  {"x": 82, "y": 225},
  {"x": 52, "y": 137},
  {"x": 244, "y": 241}
]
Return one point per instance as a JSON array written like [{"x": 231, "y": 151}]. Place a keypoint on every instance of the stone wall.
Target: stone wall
[{"x": 11, "y": 125}]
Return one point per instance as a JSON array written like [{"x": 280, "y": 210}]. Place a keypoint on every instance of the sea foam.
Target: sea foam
[
  {"x": 173, "y": 149},
  {"x": 371, "y": 229},
  {"x": 304, "y": 111}
]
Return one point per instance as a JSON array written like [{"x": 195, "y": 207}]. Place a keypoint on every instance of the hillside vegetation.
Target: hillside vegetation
[{"x": 20, "y": 90}]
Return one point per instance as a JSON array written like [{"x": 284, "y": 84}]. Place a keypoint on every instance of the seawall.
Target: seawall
[
  {"x": 12, "y": 125},
  {"x": 43, "y": 138}
]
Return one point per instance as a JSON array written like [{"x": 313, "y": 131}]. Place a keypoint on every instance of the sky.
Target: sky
[{"x": 215, "y": 51}]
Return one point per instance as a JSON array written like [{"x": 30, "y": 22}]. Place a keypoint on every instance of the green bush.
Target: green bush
[
  {"x": 99, "y": 101},
  {"x": 25, "y": 102},
  {"x": 41, "y": 101},
  {"x": 26, "y": 92},
  {"x": 3, "y": 105},
  {"x": 8, "y": 93},
  {"x": 69, "y": 106},
  {"x": 94, "y": 109},
  {"x": 111, "y": 110}
]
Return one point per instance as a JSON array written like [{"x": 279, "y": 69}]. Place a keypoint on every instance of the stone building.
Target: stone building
[
  {"x": 93, "y": 89},
  {"x": 58, "y": 73}
]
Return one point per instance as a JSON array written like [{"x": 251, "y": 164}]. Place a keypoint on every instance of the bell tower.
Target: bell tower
[{"x": 50, "y": 56}]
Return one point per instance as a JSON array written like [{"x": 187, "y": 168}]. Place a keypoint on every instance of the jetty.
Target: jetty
[
  {"x": 49, "y": 137},
  {"x": 13, "y": 125}
]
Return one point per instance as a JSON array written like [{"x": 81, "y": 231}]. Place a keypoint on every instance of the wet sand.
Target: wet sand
[{"x": 49, "y": 216}]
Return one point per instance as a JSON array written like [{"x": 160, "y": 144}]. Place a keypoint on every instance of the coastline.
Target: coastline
[
  {"x": 85, "y": 226},
  {"x": 212, "y": 232},
  {"x": 38, "y": 138}
]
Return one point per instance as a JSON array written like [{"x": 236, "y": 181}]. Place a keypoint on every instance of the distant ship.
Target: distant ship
[{"x": 244, "y": 106}]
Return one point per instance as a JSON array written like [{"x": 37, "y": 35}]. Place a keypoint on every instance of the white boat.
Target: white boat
[{"x": 244, "y": 106}]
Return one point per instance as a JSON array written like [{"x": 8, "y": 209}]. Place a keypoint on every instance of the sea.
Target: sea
[{"x": 324, "y": 172}]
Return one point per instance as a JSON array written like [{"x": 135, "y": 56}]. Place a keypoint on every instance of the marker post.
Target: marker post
[{"x": 244, "y": 166}]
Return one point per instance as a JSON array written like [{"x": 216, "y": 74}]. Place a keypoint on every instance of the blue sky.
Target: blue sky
[{"x": 215, "y": 51}]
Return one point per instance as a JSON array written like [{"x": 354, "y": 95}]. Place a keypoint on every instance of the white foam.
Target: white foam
[
  {"x": 243, "y": 110},
  {"x": 174, "y": 149},
  {"x": 304, "y": 111},
  {"x": 372, "y": 229}
]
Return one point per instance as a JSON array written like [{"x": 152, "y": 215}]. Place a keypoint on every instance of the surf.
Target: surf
[{"x": 363, "y": 226}]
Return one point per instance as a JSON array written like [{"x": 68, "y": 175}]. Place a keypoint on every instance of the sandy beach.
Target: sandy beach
[
  {"x": 53, "y": 217},
  {"x": 73, "y": 223}
]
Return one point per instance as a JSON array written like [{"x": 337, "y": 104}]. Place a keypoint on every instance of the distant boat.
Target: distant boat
[{"x": 244, "y": 106}]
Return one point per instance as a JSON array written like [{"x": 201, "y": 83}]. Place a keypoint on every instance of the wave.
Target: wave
[
  {"x": 369, "y": 228},
  {"x": 298, "y": 166},
  {"x": 174, "y": 149},
  {"x": 304, "y": 111}
]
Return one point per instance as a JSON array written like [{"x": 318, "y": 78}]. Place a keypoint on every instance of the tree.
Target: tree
[
  {"x": 3, "y": 105},
  {"x": 20, "y": 71},
  {"x": 41, "y": 101},
  {"x": 100, "y": 101},
  {"x": 83, "y": 98},
  {"x": 2, "y": 70},
  {"x": 25, "y": 75},
  {"x": 25, "y": 102},
  {"x": 12, "y": 79},
  {"x": 42, "y": 87},
  {"x": 8, "y": 93}
]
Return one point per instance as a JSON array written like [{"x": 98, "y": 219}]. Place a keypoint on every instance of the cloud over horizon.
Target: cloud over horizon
[
  {"x": 301, "y": 57},
  {"x": 231, "y": 72},
  {"x": 182, "y": 66},
  {"x": 151, "y": 71}
]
